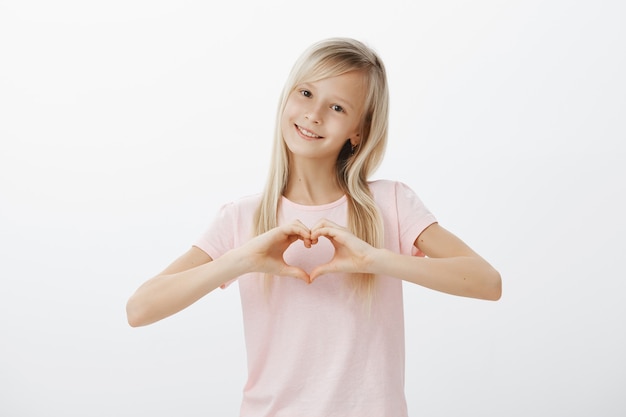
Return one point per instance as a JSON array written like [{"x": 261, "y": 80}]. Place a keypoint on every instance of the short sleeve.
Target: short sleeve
[
  {"x": 219, "y": 237},
  {"x": 413, "y": 217},
  {"x": 230, "y": 228}
]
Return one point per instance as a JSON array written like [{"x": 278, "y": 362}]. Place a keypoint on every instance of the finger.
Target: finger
[
  {"x": 319, "y": 271},
  {"x": 301, "y": 231},
  {"x": 325, "y": 223},
  {"x": 330, "y": 232},
  {"x": 293, "y": 238},
  {"x": 298, "y": 228},
  {"x": 295, "y": 272}
]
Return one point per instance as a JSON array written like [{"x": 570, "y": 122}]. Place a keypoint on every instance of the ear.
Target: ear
[{"x": 355, "y": 139}]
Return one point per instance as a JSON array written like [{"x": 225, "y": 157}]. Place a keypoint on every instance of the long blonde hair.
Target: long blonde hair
[{"x": 329, "y": 58}]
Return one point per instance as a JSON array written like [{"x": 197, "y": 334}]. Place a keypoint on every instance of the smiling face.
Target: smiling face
[{"x": 320, "y": 116}]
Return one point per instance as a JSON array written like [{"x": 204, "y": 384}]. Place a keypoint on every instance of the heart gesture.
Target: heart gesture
[
  {"x": 265, "y": 252},
  {"x": 352, "y": 254}
]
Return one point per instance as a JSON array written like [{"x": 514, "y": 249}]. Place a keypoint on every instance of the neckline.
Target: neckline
[{"x": 326, "y": 206}]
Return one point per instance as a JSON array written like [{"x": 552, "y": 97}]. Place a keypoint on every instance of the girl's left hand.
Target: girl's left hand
[{"x": 352, "y": 254}]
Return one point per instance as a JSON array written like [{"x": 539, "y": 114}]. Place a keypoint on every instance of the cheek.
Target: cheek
[
  {"x": 288, "y": 115},
  {"x": 291, "y": 105},
  {"x": 354, "y": 131},
  {"x": 285, "y": 119},
  {"x": 348, "y": 131}
]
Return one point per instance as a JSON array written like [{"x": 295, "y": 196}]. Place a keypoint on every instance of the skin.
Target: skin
[{"x": 330, "y": 110}]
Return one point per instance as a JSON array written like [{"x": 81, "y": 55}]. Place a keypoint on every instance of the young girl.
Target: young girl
[{"x": 321, "y": 254}]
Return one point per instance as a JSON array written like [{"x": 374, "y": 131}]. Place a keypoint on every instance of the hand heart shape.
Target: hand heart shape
[{"x": 276, "y": 252}]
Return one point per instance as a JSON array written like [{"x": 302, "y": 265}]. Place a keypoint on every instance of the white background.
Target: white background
[{"x": 124, "y": 125}]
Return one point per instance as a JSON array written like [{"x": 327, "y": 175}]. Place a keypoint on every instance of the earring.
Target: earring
[{"x": 354, "y": 146}]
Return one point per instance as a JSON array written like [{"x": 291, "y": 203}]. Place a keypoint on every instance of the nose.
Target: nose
[{"x": 312, "y": 114}]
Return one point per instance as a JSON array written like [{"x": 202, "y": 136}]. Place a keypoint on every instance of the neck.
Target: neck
[{"x": 312, "y": 183}]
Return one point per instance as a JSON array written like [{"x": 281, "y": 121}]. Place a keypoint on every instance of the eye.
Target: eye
[
  {"x": 306, "y": 93},
  {"x": 337, "y": 108}
]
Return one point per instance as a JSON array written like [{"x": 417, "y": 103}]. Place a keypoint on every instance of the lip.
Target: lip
[{"x": 300, "y": 129}]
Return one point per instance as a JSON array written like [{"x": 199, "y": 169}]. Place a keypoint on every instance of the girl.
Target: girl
[{"x": 321, "y": 254}]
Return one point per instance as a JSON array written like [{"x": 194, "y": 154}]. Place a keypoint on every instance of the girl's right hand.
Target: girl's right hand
[
  {"x": 265, "y": 252},
  {"x": 195, "y": 274}
]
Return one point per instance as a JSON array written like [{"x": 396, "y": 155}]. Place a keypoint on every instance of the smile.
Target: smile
[{"x": 307, "y": 133}]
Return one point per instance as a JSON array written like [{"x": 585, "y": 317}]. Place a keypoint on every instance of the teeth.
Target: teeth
[{"x": 307, "y": 133}]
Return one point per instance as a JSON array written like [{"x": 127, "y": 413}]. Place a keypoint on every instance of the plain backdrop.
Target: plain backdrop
[{"x": 125, "y": 125}]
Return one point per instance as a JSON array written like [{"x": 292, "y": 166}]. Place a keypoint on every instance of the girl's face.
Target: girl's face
[{"x": 320, "y": 116}]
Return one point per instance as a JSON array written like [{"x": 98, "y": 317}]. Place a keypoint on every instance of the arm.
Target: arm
[
  {"x": 195, "y": 274},
  {"x": 450, "y": 266},
  {"x": 185, "y": 281}
]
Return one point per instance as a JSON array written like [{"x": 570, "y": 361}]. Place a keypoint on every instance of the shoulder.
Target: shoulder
[
  {"x": 238, "y": 211},
  {"x": 230, "y": 226},
  {"x": 397, "y": 196},
  {"x": 384, "y": 189},
  {"x": 243, "y": 205},
  {"x": 248, "y": 202}
]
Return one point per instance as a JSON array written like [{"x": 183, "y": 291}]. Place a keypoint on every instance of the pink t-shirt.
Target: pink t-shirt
[{"x": 318, "y": 350}]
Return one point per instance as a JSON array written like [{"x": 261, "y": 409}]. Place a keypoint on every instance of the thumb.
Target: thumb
[
  {"x": 295, "y": 272},
  {"x": 320, "y": 270}
]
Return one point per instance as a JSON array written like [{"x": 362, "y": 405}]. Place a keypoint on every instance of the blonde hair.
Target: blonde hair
[{"x": 329, "y": 58}]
